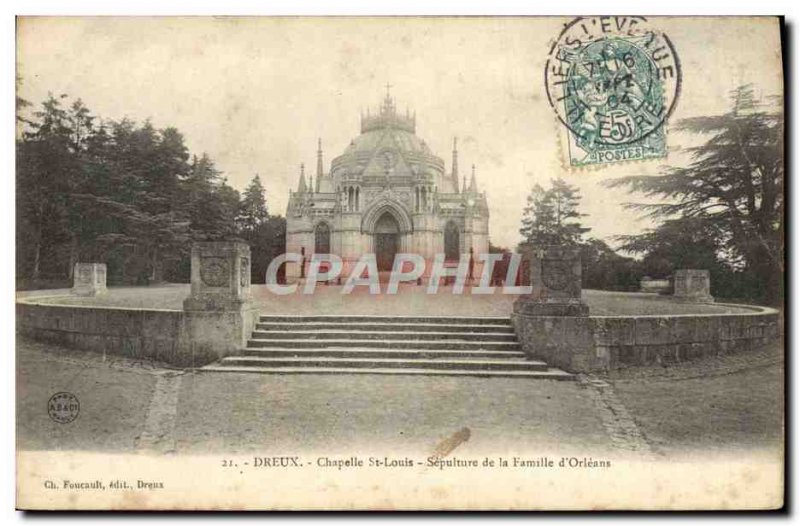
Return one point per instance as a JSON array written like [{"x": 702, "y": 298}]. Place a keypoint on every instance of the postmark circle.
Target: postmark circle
[
  {"x": 63, "y": 407},
  {"x": 612, "y": 80}
]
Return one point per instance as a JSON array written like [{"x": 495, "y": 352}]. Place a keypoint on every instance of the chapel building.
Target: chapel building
[{"x": 387, "y": 193}]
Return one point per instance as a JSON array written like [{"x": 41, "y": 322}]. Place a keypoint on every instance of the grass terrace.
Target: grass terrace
[{"x": 410, "y": 300}]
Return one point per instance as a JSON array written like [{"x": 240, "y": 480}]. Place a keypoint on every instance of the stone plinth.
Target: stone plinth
[
  {"x": 219, "y": 316},
  {"x": 220, "y": 276},
  {"x": 647, "y": 284},
  {"x": 552, "y": 321},
  {"x": 89, "y": 279},
  {"x": 693, "y": 285},
  {"x": 555, "y": 277}
]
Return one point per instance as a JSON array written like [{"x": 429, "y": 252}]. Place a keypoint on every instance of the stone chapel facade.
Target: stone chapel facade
[{"x": 387, "y": 193}]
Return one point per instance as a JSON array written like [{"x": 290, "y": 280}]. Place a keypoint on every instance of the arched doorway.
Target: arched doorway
[
  {"x": 452, "y": 244},
  {"x": 322, "y": 238},
  {"x": 387, "y": 241}
]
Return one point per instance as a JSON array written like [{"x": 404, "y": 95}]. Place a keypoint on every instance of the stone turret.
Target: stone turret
[
  {"x": 454, "y": 167},
  {"x": 301, "y": 185}
]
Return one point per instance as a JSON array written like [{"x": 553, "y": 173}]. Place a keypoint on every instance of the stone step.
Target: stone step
[
  {"x": 386, "y": 363},
  {"x": 383, "y": 335},
  {"x": 384, "y": 353},
  {"x": 440, "y": 320},
  {"x": 384, "y": 326},
  {"x": 264, "y": 343},
  {"x": 549, "y": 374}
]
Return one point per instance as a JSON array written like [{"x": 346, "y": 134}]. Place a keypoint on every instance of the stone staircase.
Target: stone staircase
[{"x": 453, "y": 346}]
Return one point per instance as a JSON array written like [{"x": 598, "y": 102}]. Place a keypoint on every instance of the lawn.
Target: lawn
[{"x": 411, "y": 300}]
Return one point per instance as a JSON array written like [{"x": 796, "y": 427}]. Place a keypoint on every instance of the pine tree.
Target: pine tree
[
  {"x": 733, "y": 185},
  {"x": 253, "y": 211},
  {"x": 551, "y": 217}
]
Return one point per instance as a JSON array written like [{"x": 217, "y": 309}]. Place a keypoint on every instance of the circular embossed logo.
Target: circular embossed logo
[
  {"x": 63, "y": 407},
  {"x": 612, "y": 81},
  {"x": 214, "y": 271},
  {"x": 556, "y": 274}
]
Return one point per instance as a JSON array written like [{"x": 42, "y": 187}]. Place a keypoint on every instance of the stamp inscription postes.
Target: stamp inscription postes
[
  {"x": 63, "y": 407},
  {"x": 612, "y": 81}
]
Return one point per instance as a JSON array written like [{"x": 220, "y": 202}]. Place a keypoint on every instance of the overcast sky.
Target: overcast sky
[{"x": 255, "y": 93}]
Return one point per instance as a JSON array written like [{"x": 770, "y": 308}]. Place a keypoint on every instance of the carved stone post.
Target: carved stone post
[
  {"x": 219, "y": 316},
  {"x": 693, "y": 285},
  {"x": 89, "y": 279},
  {"x": 552, "y": 322},
  {"x": 555, "y": 277},
  {"x": 220, "y": 276}
]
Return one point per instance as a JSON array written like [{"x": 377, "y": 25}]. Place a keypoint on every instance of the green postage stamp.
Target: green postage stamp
[{"x": 612, "y": 82}]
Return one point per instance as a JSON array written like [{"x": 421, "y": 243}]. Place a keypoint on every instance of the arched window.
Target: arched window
[
  {"x": 452, "y": 245},
  {"x": 322, "y": 238}
]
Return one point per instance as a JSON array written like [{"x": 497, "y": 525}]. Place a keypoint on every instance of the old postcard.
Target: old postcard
[{"x": 400, "y": 263}]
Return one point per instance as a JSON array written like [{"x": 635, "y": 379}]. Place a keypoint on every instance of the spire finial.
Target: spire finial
[
  {"x": 301, "y": 185},
  {"x": 388, "y": 103},
  {"x": 473, "y": 184},
  {"x": 454, "y": 174},
  {"x": 319, "y": 160}
]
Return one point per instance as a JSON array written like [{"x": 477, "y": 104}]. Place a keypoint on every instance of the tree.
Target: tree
[
  {"x": 254, "y": 207},
  {"x": 732, "y": 186},
  {"x": 113, "y": 191},
  {"x": 551, "y": 216},
  {"x": 212, "y": 206},
  {"x": 266, "y": 234},
  {"x": 45, "y": 167},
  {"x": 603, "y": 269}
]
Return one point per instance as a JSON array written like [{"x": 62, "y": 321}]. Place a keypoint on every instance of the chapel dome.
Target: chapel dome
[
  {"x": 375, "y": 139},
  {"x": 392, "y": 132}
]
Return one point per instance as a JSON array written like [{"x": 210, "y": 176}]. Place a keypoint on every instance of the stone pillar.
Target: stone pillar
[
  {"x": 219, "y": 315},
  {"x": 555, "y": 277},
  {"x": 89, "y": 279},
  {"x": 693, "y": 285},
  {"x": 552, "y": 322}
]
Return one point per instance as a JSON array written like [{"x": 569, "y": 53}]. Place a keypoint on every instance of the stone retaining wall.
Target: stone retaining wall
[
  {"x": 596, "y": 343},
  {"x": 169, "y": 336},
  {"x": 573, "y": 343}
]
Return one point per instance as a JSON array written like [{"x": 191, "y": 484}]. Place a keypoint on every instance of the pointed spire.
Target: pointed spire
[
  {"x": 464, "y": 188},
  {"x": 310, "y": 183},
  {"x": 319, "y": 162},
  {"x": 454, "y": 174},
  {"x": 301, "y": 185},
  {"x": 388, "y": 102},
  {"x": 473, "y": 184}
]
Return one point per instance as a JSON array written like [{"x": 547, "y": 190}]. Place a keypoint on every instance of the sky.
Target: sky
[{"x": 256, "y": 93}]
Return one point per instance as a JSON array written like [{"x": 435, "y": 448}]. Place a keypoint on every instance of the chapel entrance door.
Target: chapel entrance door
[{"x": 387, "y": 241}]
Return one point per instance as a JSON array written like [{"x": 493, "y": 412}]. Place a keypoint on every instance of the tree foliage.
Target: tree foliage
[
  {"x": 120, "y": 192},
  {"x": 731, "y": 191},
  {"x": 551, "y": 216}
]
